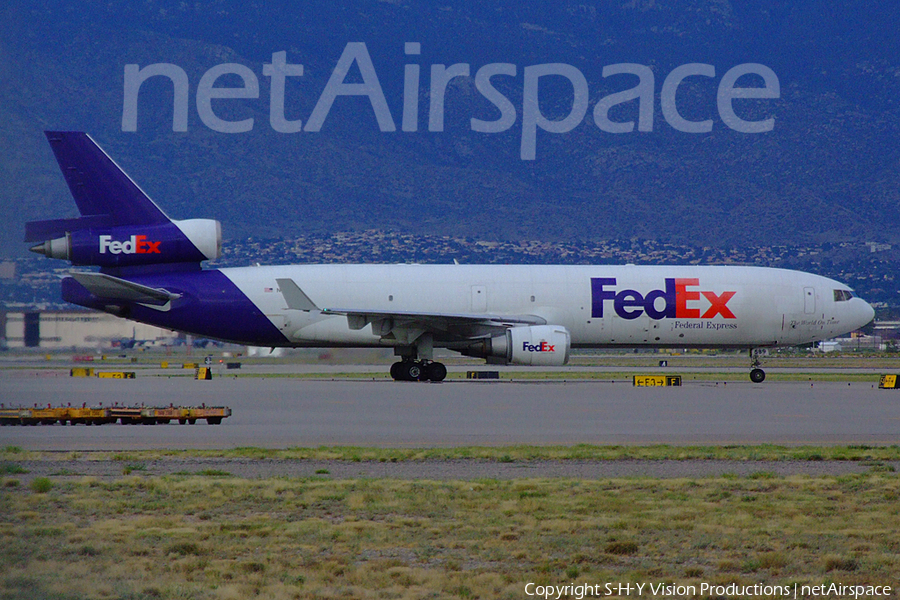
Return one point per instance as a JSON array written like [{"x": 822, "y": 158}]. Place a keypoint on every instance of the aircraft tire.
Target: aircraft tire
[
  {"x": 436, "y": 371},
  {"x": 413, "y": 371},
  {"x": 397, "y": 371},
  {"x": 757, "y": 375}
]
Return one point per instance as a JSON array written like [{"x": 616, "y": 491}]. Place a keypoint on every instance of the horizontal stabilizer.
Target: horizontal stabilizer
[{"x": 114, "y": 288}]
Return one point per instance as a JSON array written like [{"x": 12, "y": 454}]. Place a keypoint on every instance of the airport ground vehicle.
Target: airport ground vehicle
[{"x": 126, "y": 415}]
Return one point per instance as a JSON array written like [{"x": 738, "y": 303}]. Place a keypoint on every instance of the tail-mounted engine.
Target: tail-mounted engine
[
  {"x": 192, "y": 240},
  {"x": 119, "y": 225},
  {"x": 538, "y": 345}
]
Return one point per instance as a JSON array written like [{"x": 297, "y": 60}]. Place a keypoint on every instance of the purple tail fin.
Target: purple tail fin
[
  {"x": 105, "y": 195},
  {"x": 119, "y": 227}
]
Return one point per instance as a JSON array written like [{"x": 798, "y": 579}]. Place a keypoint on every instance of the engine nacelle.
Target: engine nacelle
[
  {"x": 537, "y": 345},
  {"x": 192, "y": 240}
]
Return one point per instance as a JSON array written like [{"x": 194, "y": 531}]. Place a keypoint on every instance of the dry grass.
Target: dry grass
[
  {"x": 765, "y": 452},
  {"x": 592, "y": 452},
  {"x": 219, "y": 538}
]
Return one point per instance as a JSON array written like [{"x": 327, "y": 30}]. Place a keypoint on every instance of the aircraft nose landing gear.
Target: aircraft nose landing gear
[{"x": 757, "y": 375}]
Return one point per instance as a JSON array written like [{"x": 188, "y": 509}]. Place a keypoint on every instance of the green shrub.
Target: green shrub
[
  {"x": 214, "y": 473},
  {"x": 183, "y": 549},
  {"x": 622, "y": 547},
  {"x": 838, "y": 563},
  {"x": 41, "y": 485}
]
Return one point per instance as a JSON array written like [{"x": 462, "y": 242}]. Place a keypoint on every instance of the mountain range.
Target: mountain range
[{"x": 827, "y": 171}]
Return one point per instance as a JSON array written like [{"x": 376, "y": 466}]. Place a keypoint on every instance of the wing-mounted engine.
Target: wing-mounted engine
[
  {"x": 537, "y": 345},
  {"x": 192, "y": 240}
]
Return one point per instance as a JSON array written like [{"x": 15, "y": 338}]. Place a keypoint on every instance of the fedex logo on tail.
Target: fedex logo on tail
[
  {"x": 679, "y": 300},
  {"x": 138, "y": 244}
]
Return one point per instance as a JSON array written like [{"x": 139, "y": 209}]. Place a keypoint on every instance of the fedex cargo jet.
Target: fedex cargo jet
[{"x": 150, "y": 271}]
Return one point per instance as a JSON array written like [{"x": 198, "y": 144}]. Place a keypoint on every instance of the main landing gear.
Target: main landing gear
[
  {"x": 418, "y": 370},
  {"x": 416, "y": 362},
  {"x": 757, "y": 375}
]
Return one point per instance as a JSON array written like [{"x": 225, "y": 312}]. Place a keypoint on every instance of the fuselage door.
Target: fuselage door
[{"x": 809, "y": 300}]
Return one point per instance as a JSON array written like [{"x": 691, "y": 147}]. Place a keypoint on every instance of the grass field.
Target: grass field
[
  {"x": 214, "y": 536},
  {"x": 763, "y": 452},
  {"x": 220, "y": 537}
]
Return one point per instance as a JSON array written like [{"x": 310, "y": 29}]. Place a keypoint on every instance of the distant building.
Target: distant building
[
  {"x": 878, "y": 247},
  {"x": 76, "y": 329},
  {"x": 888, "y": 327},
  {"x": 830, "y": 346},
  {"x": 855, "y": 342}
]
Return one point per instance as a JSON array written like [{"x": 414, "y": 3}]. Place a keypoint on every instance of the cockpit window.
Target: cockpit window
[{"x": 843, "y": 295}]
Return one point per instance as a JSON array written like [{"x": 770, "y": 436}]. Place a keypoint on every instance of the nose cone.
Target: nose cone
[
  {"x": 41, "y": 248},
  {"x": 863, "y": 313}
]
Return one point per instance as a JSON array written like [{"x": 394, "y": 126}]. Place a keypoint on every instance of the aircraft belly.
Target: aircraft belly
[{"x": 677, "y": 333}]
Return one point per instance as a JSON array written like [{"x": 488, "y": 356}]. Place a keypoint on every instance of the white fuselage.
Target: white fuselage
[{"x": 601, "y": 306}]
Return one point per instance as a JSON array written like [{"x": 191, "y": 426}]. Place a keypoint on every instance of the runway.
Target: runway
[{"x": 280, "y": 412}]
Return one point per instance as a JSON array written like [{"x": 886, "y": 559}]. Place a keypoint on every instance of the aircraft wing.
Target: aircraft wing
[
  {"x": 407, "y": 327},
  {"x": 107, "y": 286},
  {"x": 442, "y": 321},
  {"x": 408, "y": 323}
]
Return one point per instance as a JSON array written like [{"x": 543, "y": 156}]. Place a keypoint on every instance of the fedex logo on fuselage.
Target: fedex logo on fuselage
[
  {"x": 138, "y": 244},
  {"x": 542, "y": 347},
  {"x": 679, "y": 300}
]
